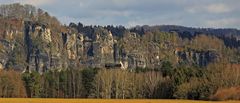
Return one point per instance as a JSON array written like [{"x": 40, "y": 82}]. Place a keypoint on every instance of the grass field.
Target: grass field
[{"x": 37, "y": 100}]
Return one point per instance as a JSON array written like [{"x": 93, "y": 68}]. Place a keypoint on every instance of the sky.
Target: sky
[{"x": 129, "y": 13}]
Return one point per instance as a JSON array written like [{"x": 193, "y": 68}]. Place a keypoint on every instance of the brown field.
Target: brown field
[{"x": 38, "y": 100}]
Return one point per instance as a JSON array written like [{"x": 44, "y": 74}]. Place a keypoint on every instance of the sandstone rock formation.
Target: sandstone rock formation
[
  {"x": 195, "y": 57},
  {"x": 40, "y": 47}
]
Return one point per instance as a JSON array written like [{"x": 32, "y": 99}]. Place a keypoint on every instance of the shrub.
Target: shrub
[
  {"x": 11, "y": 84},
  {"x": 232, "y": 93}
]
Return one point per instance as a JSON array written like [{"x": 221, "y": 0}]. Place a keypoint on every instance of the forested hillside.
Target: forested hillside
[{"x": 40, "y": 57}]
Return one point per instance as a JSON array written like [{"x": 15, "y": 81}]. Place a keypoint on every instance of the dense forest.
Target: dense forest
[{"x": 42, "y": 58}]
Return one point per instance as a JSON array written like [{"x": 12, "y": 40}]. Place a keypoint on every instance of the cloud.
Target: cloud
[
  {"x": 66, "y": 19},
  {"x": 226, "y": 22},
  {"x": 215, "y": 8},
  {"x": 196, "y": 13},
  {"x": 218, "y": 8},
  {"x": 34, "y": 2}
]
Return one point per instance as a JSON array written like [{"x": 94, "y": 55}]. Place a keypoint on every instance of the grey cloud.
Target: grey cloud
[{"x": 195, "y": 13}]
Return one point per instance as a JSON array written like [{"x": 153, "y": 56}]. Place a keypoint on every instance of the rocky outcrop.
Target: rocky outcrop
[
  {"x": 195, "y": 57},
  {"x": 136, "y": 60},
  {"x": 37, "y": 40},
  {"x": 1, "y": 66},
  {"x": 40, "y": 48},
  {"x": 6, "y": 48},
  {"x": 71, "y": 46},
  {"x": 103, "y": 48}
]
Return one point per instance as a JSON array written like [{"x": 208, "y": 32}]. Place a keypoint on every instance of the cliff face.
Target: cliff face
[
  {"x": 76, "y": 50},
  {"x": 10, "y": 37},
  {"x": 37, "y": 38},
  {"x": 36, "y": 46},
  {"x": 196, "y": 57}
]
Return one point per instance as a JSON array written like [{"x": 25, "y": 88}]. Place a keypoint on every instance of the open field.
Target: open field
[{"x": 38, "y": 100}]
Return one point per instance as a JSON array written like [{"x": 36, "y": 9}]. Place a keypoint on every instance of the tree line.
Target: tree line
[{"x": 166, "y": 82}]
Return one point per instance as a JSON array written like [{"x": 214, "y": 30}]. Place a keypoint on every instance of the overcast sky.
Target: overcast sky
[{"x": 194, "y": 13}]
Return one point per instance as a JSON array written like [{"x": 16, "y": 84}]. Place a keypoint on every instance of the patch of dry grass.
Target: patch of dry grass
[{"x": 38, "y": 100}]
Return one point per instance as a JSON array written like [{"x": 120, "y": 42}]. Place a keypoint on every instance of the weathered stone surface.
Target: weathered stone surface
[
  {"x": 40, "y": 48},
  {"x": 201, "y": 58},
  {"x": 1, "y": 66},
  {"x": 136, "y": 60},
  {"x": 37, "y": 40}
]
